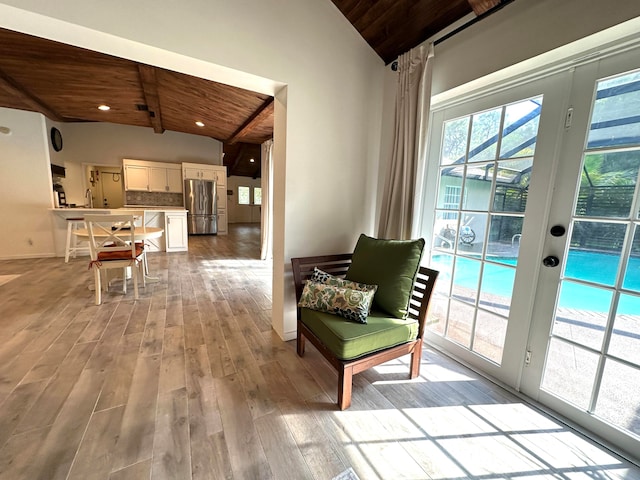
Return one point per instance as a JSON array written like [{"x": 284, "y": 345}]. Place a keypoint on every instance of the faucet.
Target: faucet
[{"x": 88, "y": 197}]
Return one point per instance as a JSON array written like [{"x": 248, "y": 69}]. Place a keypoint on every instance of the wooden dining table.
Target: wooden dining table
[{"x": 140, "y": 235}]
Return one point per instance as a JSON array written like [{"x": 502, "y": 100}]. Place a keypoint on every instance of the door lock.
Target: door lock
[{"x": 551, "y": 261}]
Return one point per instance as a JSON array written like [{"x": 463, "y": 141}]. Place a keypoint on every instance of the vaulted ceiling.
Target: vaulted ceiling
[
  {"x": 67, "y": 83},
  {"x": 392, "y": 27}
]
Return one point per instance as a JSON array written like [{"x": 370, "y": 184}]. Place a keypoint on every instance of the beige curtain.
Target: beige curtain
[
  {"x": 266, "y": 210},
  {"x": 413, "y": 99}
]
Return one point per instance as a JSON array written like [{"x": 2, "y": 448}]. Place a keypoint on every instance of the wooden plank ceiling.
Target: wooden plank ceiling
[
  {"x": 67, "y": 83},
  {"x": 393, "y": 27}
]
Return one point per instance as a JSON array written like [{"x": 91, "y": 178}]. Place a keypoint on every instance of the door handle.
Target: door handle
[{"x": 551, "y": 261}]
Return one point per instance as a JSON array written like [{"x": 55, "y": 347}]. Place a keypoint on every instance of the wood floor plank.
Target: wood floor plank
[
  {"x": 55, "y": 395},
  {"x": 172, "y": 370},
  {"x": 16, "y": 407},
  {"x": 284, "y": 456},
  {"x": 319, "y": 452},
  {"x": 138, "y": 316},
  {"x": 204, "y": 409},
  {"x": 171, "y": 448},
  {"x": 209, "y": 453},
  {"x": 256, "y": 391},
  {"x": 153, "y": 334},
  {"x": 118, "y": 383},
  {"x": 138, "y": 422},
  {"x": 260, "y": 347},
  {"x": 246, "y": 454},
  {"x": 193, "y": 336},
  {"x": 96, "y": 327},
  {"x": 174, "y": 311},
  {"x": 96, "y": 453},
  {"x": 16, "y": 456},
  {"x": 138, "y": 471},
  {"x": 61, "y": 443},
  {"x": 217, "y": 349}
]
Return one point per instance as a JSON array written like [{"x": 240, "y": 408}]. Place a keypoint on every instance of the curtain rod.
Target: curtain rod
[{"x": 473, "y": 21}]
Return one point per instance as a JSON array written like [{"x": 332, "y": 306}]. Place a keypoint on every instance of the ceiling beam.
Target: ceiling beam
[
  {"x": 150, "y": 90},
  {"x": 483, "y": 6},
  {"x": 252, "y": 122},
  {"x": 15, "y": 89}
]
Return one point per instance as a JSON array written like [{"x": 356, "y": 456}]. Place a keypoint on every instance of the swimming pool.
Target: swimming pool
[{"x": 595, "y": 267}]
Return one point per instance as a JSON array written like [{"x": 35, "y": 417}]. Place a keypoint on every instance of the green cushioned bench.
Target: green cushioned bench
[{"x": 352, "y": 347}]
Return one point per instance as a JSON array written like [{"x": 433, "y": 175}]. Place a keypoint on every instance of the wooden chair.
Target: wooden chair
[
  {"x": 338, "y": 265},
  {"x": 112, "y": 245}
]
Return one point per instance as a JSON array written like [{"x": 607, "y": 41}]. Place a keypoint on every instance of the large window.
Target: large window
[
  {"x": 244, "y": 195},
  {"x": 257, "y": 196}
]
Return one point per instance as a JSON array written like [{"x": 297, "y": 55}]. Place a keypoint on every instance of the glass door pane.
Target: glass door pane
[{"x": 484, "y": 174}]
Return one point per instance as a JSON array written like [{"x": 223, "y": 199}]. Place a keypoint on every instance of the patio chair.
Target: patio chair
[{"x": 352, "y": 347}]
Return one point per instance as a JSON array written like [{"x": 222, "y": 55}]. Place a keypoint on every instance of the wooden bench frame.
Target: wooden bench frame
[{"x": 419, "y": 305}]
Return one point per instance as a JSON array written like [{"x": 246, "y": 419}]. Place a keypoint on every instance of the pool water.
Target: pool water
[{"x": 594, "y": 267}]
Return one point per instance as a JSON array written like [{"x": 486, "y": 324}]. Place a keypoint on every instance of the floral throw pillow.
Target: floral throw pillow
[{"x": 349, "y": 303}]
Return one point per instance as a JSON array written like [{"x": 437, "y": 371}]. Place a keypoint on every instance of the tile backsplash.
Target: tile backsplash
[{"x": 154, "y": 198}]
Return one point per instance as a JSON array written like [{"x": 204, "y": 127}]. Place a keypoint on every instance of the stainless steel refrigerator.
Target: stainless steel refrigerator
[{"x": 200, "y": 200}]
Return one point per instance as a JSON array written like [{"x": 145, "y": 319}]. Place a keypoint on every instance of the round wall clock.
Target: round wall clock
[{"x": 56, "y": 139}]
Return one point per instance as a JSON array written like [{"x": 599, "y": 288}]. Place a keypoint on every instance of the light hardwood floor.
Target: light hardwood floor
[{"x": 190, "y": 382}]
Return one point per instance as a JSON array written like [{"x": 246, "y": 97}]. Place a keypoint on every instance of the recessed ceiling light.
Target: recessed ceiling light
[
  {"x": 104, "y": 108},
  {"x": 199, "y": 123},
  {"x": 251, "y": 160}
]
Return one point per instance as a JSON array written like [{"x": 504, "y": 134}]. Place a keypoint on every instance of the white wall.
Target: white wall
[
  {"x": 520, "y": 31},
  {"x": 25, "y": 186},
  {"x": 241, "y": 213},
  {"x": 108, "y": 144},
  {"x": 330, "y": 106}
]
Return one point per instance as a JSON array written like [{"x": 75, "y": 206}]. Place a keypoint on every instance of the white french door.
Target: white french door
[
  {"x": 535, "y": 228},
  {"x": 490, "y": 166},
  {"x": 585, "y": 337}
]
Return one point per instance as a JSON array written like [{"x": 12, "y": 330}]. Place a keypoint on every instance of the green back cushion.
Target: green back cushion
[{"x": 390, "y": 264}]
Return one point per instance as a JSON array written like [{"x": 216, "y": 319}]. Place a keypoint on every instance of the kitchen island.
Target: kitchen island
[{"x": 173, "y": 220}]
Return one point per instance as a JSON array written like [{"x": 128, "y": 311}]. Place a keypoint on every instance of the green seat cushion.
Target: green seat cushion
[
  {"x": 390, "y": 264},
  {"x": 349, "y": 340}
]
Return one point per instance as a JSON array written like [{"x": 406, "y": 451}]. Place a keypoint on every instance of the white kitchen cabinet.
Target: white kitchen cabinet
[
  {"x": 176, "y": 231},
  {"x": 165, "y": 179},
  {"x": 222, "y": 222},
  {"x": 174, "y": 179},
  {"x": 152, "y": 176},
  {"x": 222, "y": 197},
  {"x": 199, "y": 171},
  {"x": 136, "y": 177},
  {"x": 220, "y": 175}
]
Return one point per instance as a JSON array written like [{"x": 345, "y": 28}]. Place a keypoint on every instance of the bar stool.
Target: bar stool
[{"x": 72, "y": 247}]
